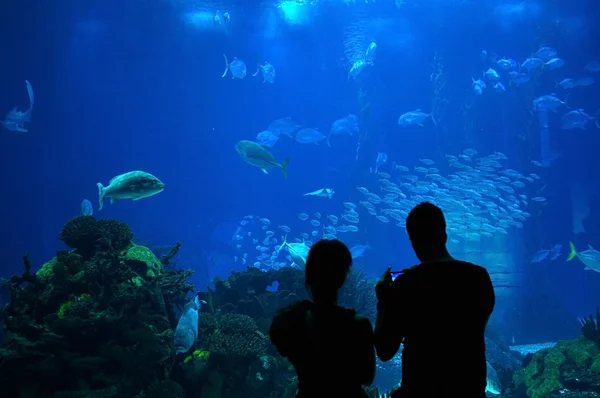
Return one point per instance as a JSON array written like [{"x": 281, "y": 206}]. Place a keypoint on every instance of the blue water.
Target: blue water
[{"x": 136, "y": 85}]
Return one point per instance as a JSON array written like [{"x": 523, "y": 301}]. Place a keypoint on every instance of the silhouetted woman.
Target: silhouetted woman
[{"x": 330, "y": 347}]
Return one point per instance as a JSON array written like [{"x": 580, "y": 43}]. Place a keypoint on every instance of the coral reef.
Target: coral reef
[
  {"x": 87, "y": 235},
  {"x": 569, "y": 369},
  {"x": 93, "y": 322},
  {"x": 97, "y": 321}
]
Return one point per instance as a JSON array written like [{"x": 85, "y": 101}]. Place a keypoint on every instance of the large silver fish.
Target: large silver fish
[
  {"x": 259, "y": 156},
  {"x": 132, "y": 185},
  {"x": 186, "y": 332},
  {"x": 237, "y": 68}
]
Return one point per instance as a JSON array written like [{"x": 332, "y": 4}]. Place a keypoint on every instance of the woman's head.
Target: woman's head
[{"x": 327, "y": 266}]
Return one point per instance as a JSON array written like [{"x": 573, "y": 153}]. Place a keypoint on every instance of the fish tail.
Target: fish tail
[
  {"x": 573, "y": 252},
  {"x": 283, "y": 244},
  {"x": 284, "y": 167},
  {"x": 226, "y": 66},
  {"x": 101, "y": 193},
  {"x": 30, "y": 92}
]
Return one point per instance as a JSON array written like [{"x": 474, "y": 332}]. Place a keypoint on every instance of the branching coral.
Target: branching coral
[
  {"x": 87, "y": 235},
  {"x": 114, "y": 234},
  {"x": 80, "y": 233},
  {"x": 231, "y": 336}
]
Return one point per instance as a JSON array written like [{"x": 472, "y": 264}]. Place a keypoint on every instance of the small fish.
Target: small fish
[
  {"x": 303, "y": 216},
  {"x": 268, "y": 72},
  {"x": 323, "y": 192},
  {"x": 356, "y": 68},
  {"x": 285, "y": 126},
  {"x": 309, "y": 136},
  {"x": 358, "y": 251},
  {"x": 267, "y": 138},
  {"x": 186, "y": 331},
  {"x": 549, "y": 102},
  {"x": 86, "y": 208},
  {"x": 491, "y": 74},
  {"x": 578, "y": 119},
  {"x": 217, "y": 18},
  {"x": 259, "y": 156},
  {"x": 532, "y": 63},
  {"x": 499, "y": 87},
  {"x": 590, "y": 257},
  {"x": 370, "y": 54},
  {"x": 381, "y": 159},
  {"x": 567, "y": 83},
  {"x": 555, "y": 251},
  {"x": 554, "y": 63},
  {"x": 134, "y": 185},
  {"x": 478, "y": 86},
  {"x": 506, "y": 64},
  {"x": 237, "y": 68},
  {"x": 16, "y": 119},
  {"x": 414, "y": 117},
  {"x": 345, "y": 125},
  {"x": 540, "y": 256},
  {"x": 518, "y": 78},
  {"x": 546, "y": 53}
]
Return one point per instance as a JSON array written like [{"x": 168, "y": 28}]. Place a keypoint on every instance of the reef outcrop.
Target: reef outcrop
[{"x": 97, "y": 321}]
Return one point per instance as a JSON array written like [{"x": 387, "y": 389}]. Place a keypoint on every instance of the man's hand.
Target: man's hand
[{"x": 384, "y": 286}]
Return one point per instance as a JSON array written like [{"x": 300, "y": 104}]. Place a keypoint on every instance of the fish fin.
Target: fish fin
[
  {"x": 100, "y": 195},
  {"x": 256, "y": 73},
  {"x": 284, "y": 167},
  {"x": 590, "y": 247},
  {"x": 134, "y": 199},
  {"x": 21, "y": 129},
  {"x": 30, "y": 93},
  {"x": 226, "y": 66},
  {"x": 283, "y": 244},
  {"x": 587, "y": 269},
  {"x": 113, "y": 200},
  {"x": 573, "y": 252},
  {"x": 264, "y": 171}
]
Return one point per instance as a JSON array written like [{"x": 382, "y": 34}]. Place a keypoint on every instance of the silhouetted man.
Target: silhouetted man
[{"x": 439, "y": 309}]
